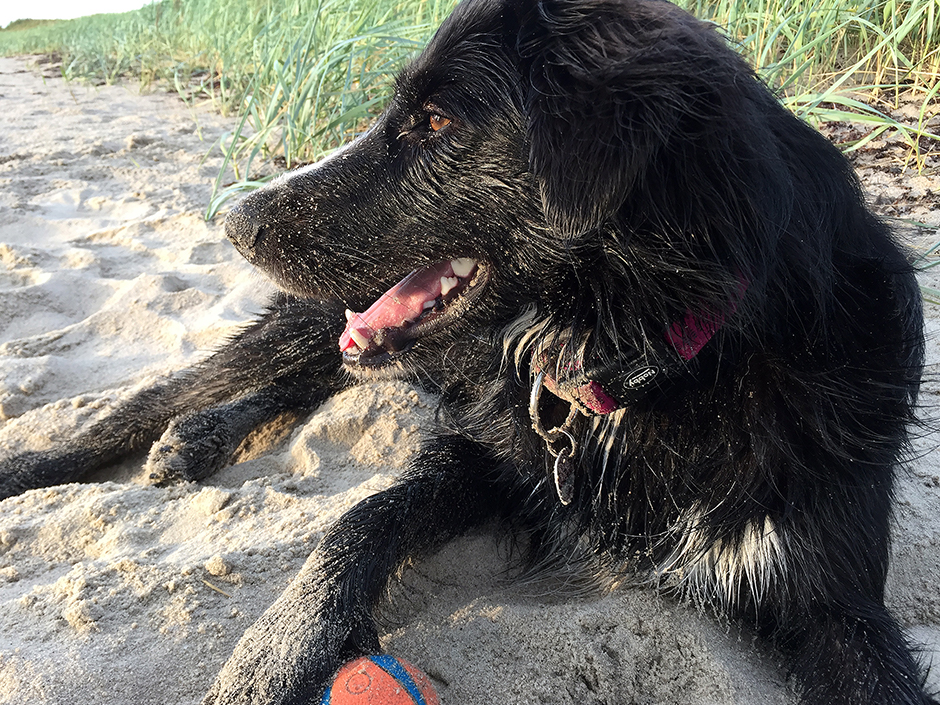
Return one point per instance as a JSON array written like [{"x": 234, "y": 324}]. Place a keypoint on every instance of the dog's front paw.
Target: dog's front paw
[
  {"x": 263, "y": 677},
  {"x": 290, "y": 655},
  {"x": 192, "y": 448}
]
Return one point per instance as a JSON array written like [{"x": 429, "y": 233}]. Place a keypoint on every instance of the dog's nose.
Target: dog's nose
[{"x": 242, "y": 227}]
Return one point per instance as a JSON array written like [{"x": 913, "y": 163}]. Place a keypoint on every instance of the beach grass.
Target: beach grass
[{"x": 305, "y": 76}]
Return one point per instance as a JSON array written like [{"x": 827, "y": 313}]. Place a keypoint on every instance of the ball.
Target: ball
[{"x": 380, "y": 680}]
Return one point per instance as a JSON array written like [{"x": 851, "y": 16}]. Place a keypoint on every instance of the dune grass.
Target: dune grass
[
  {"x": 835, "y": 61},
  {"x": 307, "y": 75}
]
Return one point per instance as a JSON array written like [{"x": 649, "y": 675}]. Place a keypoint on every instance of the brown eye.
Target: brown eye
[{"x": 438, "y": 122}]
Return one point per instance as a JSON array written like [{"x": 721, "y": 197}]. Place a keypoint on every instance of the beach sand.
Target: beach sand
[{"x": 119, "y": 593}]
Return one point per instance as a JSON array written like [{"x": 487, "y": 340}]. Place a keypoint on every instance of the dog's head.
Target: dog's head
[{"x": 537, "y": 155}]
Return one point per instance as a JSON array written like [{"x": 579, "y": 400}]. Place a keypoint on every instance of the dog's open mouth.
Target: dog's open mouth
[{"x": 421, "y": 303}]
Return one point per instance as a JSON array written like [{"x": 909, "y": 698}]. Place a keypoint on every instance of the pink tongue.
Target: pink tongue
[{"x": 402, "y": 303}]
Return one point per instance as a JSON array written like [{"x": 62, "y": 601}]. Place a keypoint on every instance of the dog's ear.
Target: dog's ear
[{"x": 603, "y": 97}]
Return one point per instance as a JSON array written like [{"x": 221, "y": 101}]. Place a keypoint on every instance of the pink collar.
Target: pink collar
[{"x": 603, "y": 390}]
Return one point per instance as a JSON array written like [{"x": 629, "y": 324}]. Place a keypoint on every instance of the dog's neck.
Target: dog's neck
[
  {"x": 599, "y": 389},
  {"x": 604, "y": 388}
]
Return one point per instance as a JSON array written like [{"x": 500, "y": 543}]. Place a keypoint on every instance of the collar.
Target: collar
[{"x": 603, "y": 389}]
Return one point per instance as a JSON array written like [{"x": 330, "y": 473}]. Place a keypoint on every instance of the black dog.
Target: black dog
[{"x": 663, "y": 325}]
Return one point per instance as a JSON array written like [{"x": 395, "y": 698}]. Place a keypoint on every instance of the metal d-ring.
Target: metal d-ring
[
  {"x": 534, "y": 397},
  {"x": 551, "y": 436}
]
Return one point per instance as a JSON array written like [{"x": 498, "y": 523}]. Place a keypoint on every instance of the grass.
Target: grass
[
  {"x": 838, "y": 61},
  {"x": 928, "y": 258},
  {"x": 19, "y": 25},
  {"x": 307, "y": 75}
]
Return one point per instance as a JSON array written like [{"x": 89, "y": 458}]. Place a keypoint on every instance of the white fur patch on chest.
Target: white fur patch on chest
[{"x": 724, "y": 571}]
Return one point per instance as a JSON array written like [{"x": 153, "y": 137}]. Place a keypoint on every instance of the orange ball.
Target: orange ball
[{"x": 380, "y": 680}]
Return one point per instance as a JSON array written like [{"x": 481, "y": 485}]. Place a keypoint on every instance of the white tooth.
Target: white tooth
[
  {"x": 359, "y": 338},
  {"x": 448, "y": 283},
  {"x": 349, "y": 314},
  {"x": 463, "y": 266},
  {"x": 429, "y": 304}
]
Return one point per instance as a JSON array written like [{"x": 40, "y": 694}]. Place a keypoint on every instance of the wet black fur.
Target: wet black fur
[{"x": 614, "y": 164}]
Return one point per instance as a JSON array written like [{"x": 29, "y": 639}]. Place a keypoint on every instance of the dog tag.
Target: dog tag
[{"x": 564, "y": 477}]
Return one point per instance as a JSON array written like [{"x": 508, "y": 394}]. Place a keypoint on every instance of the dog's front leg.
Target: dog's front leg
[
  {"x": 286, "y": 361},
  {"x": 197, "y": 444},
  {"x": 325, "y": 616}
]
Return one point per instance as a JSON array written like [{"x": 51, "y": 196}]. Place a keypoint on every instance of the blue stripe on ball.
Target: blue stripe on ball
[{"x": 392, "y": 667}]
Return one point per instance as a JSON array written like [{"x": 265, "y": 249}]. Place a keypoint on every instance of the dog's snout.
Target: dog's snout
[{"x": 242, "y": 227}]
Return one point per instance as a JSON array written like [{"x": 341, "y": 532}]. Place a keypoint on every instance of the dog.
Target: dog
[{"x": 666, "y": 333}]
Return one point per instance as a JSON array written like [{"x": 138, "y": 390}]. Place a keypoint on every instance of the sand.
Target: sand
[{"x": 118, "y": 593}]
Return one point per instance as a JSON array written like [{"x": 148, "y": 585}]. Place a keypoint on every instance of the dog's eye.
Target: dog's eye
[{"x": 438, "y": 122}]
